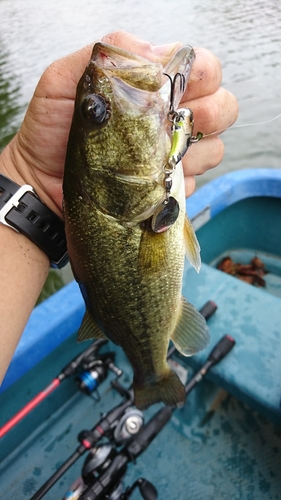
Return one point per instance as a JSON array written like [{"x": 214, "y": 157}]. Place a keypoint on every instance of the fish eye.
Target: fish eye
[{"x": 96, "y": 108}]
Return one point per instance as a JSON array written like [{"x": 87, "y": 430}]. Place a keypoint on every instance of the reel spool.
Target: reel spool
[{"x": 129, "y": 425}]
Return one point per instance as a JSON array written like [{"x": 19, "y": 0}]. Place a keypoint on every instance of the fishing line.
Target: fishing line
[
  {"x": 242, "y": 125},
  {"x": 262, "y": 29}
]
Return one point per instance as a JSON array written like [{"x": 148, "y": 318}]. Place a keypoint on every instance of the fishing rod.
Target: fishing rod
[
  {"x": 109, "y": 480},
  {"x": 108, "y": 422},
  {"x": 94, "y": 371}
]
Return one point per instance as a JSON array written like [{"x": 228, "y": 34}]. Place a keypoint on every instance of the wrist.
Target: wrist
[
  {"x": 24, "y": 212},
  {"x": 16, "y": 165}
]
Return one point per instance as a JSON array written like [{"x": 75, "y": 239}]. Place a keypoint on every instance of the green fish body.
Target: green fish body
[{"x": 129, "y": 275}]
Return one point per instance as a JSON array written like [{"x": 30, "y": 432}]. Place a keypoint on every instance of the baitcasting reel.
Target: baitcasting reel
[{"x": 100, "y": 456}]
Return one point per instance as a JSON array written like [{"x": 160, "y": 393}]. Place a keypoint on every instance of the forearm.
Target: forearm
[{"x": 23, "y": 271}]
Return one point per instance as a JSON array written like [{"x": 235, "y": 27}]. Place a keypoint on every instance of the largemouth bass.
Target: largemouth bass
[{"x": 130, "y": 274}]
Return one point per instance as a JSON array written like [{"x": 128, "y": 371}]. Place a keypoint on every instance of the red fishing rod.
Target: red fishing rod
[
  {"x": 88, "y": 381},
  {"x": 67, "y": 371}
]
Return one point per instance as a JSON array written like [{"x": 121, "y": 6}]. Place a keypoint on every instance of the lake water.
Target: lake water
[{"x": 245, "y": 35}]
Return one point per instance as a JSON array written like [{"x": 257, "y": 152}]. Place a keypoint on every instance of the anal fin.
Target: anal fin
[
  {"x": 191, "y": 334},
  {"x": 89, "y": 329}
]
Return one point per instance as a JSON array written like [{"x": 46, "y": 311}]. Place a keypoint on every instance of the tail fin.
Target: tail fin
[{"x": 168, "y": 389}]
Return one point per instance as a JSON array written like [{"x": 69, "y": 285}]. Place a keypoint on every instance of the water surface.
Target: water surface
[{"x": 245, "y": 35}]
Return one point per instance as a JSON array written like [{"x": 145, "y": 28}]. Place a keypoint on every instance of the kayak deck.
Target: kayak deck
[{"x": 252, "y": 315}]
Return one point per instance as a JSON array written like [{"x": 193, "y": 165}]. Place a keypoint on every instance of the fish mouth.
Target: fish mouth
[
  {"x": 135, "y": 70},
  {"x": 140, "y": 72}
]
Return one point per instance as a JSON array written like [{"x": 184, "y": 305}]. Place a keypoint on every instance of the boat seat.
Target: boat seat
[{"x": 251, "y": 372}]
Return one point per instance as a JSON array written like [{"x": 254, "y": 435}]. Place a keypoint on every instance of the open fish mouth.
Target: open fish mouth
[{"x": 128, "y": 66}]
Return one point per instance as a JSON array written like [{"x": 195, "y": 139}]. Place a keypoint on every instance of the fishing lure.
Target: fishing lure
[{"x": 182, "y": 121}]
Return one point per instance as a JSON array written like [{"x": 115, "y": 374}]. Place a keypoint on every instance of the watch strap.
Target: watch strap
[{"x": 23, "y": 211}]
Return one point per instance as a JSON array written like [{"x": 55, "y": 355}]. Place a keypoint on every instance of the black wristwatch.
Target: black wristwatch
[{"x": 23, "y": 211}]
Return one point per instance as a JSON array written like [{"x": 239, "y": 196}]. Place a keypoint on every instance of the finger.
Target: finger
[
  {"x": 206, "y": 75},
  {"x": 215, "y": 112},
  {"x": 190, "y": 185},
  {"x": 155, "y": 53},
  {"x": 203, "y": 155}
]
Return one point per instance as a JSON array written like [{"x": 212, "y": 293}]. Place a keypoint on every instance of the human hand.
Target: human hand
[{"x": 36, "y": 155}]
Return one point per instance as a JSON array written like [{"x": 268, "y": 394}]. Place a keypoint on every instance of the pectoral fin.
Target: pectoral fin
[
  {"x": 153, "y": 251},
  {"x": 191, "y": 334},
  {"x": 192, "y": 247},
  {"x": 89, "y": 329}
]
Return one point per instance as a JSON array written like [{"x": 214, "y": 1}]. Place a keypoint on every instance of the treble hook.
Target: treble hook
[{"x": 172, "y": 93}]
